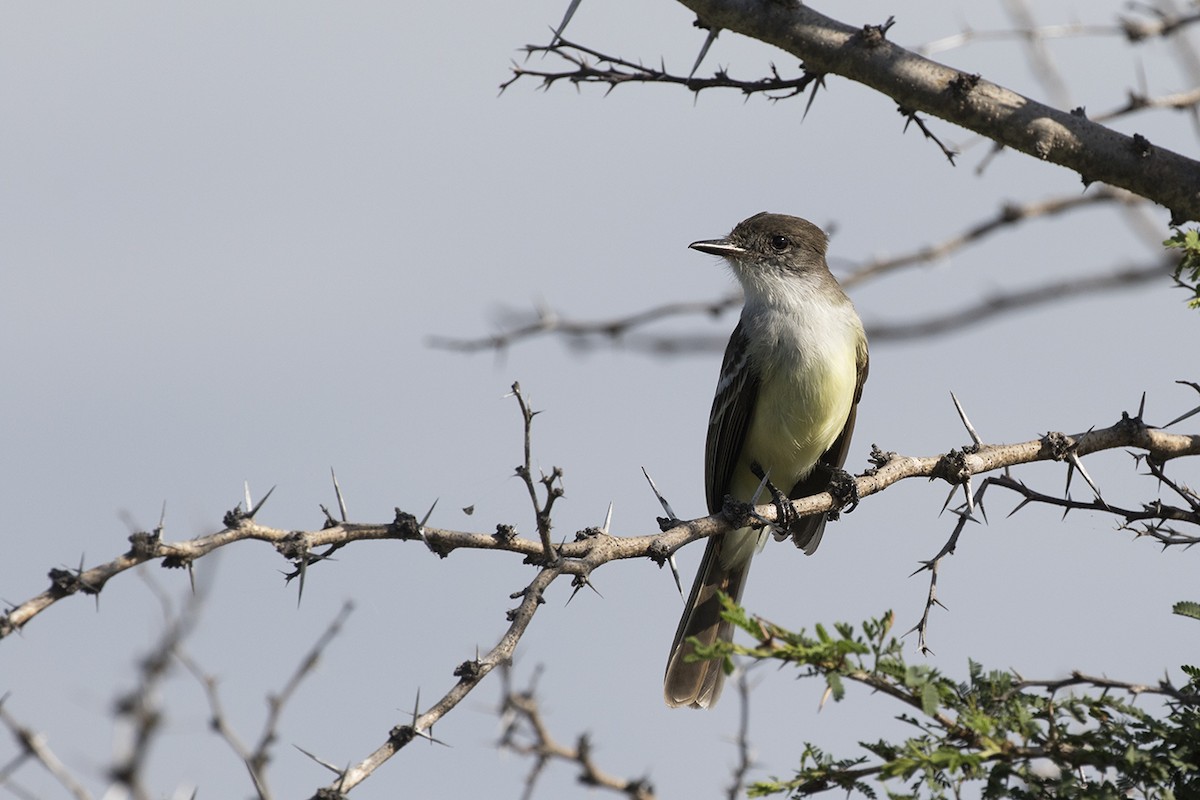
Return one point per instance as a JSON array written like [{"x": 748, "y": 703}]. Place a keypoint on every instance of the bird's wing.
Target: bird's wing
[{"x": 729, "y": 422}]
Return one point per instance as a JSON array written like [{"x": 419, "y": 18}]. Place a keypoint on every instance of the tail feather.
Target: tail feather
[{"x": 698, "y": 683}]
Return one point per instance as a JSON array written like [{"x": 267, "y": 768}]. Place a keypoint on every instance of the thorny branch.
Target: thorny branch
[
  {"x": 591, "y": 66},
  {"x": 140, "y": 706},
  {"x": 865, "y": 55},
  {"x": 469, "y": 674},
  {"x": 526, "y": 733},
  {"x": 593, "y": 547},
  {"x": 257, "y": 757},
  {"x": 33, "y": 746},
  {"x": 1152, "y": 520},
  {"x": 578, "y": 558},
  {"x": 551, "y": 483}
]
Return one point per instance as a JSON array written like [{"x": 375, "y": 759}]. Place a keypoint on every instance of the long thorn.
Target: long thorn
[
  {"x": 562, "y": 26},
  {"x": 962, "y": 414},
  {"x": 662, "y": 500},
  {"x": 337, "y": 490},
  {"x": 675, "y": 573},
  {"x": 708, "y": 41}
]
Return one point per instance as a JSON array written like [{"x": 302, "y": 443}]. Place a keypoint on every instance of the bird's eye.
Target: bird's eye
[{"x": 780, "y": 243}]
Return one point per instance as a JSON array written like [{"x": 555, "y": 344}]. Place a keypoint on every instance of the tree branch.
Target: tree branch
[
  {"x": 918, "y": 84},
  {"x": 1070, "y": 140},
  {"x": 519, "y": 326},
  {"x": 584, "y": 333},
  {"x": 526, "y": 733},
  {"x": 33, "y": 745},
  {"x": 469, "y": 674},
  {"x": 592, "y": 547}
]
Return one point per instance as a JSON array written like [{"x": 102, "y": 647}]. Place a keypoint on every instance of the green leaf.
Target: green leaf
[
  {"x": 1187, "y": 608},
  {"x": 834, "y": 682},
  {"x": 929, "y": 699},
  {"x": 1187, "y": 271}
]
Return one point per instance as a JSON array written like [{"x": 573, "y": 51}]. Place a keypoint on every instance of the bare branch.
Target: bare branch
[
  {"x": 584, "y": 333},
  {"x": 469, "y": 675},
  {"x": 745, "y": 760},
  {"x": 33, "y": 745},
  {"x": 526, "y": 733},
  {"x": 593, "y": 548},
  {"x": 140, "y": 707},
  {"x": 551, "y": 483},
  {"x": 917, "y": 84},
  {"x": 949, "y": 152},
  {"x": 1157, "y": 25},
  {"x": 613, "y": 71},
  {"x": 256, "y": 758},
  {"x": 998, "y": 304},
  {"x": 545, "y": 322},
  {"x": 1008, "y": 216},
  {"x": 519, "y": 327},
  {"x": 1151, "y": 520}
]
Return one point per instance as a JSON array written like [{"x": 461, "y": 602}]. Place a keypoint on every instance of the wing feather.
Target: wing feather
[{"x": 729, "y": 422}]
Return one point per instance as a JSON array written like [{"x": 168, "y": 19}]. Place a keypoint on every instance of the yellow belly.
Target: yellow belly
[{"x": 797, "y": 418}]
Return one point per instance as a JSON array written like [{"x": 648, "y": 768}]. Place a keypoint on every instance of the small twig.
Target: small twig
[
  {"x": 469, "y": 675},
  {"x": 931, "y": 599},
  {"x": 551, "y": 483},
  {"x": 33, "y": 745},
  {"x": 949, "y": 152},
  {"x": 1152, "y": 515},
  {"x": 583, "y": 333},
  {"x": 1041, "y": 64},
  {"x": 613, "y": 71},
  {"x": 1189, "y": 496},
  {"x": 1134, "y": 30},
  {"x": 526, "y": 733},
  {"x": 139, "y": 707},
  {"x": 745, "y": 759},
  {"x": 545, "y": 322},
  {"x": 1045, "y": 294},
  {"x": 1008, "y": 216},
  {"x": 1186, "y": 414}
]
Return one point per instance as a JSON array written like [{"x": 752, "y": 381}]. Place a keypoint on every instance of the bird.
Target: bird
[{"x": 784, "y": 411}]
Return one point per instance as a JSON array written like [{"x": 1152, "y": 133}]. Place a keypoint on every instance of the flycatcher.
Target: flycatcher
[{"x": 790, "y": 382}]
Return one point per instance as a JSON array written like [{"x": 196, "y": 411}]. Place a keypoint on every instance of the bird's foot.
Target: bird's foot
[
  {"x": 785, "y": 514},
  {"x": 844, "y": 489}
]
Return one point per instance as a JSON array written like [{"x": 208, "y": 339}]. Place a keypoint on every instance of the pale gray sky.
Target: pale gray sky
[{"x": 228, "y": 229}]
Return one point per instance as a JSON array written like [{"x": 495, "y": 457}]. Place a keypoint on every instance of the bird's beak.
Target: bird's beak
[{"x": 718, "y": 247}]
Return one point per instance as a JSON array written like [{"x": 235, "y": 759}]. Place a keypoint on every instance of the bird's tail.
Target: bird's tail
[{"x": 698, "y": 683}]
